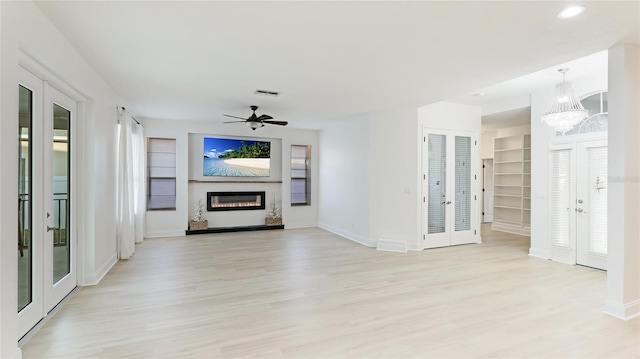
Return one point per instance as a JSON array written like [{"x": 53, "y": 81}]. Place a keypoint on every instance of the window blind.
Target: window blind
[
  {"x": 437, "y": 155},
  {"x": 161, "y": 169},
  {"x": 300, "y": 175},
  {"x": 560, "y": 197},
  {"x": 463, "y": 184}
]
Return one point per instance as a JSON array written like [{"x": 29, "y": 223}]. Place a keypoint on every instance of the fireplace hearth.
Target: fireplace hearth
[{"x": 235, "y": 201}]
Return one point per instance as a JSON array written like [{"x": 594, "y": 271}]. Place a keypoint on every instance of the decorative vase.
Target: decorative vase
[{"x": 196, "y": 225}]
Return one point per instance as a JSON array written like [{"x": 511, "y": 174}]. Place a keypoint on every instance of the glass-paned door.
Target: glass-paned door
[
  {"x": 437, "y": 183},
  {"x": 46, "y": 243},
  {"x": 25, "y": 153},
  {"x": 60, "y": 274},
  {"x": 463, "y": 184},
  {"x": 449, "y": 193}
]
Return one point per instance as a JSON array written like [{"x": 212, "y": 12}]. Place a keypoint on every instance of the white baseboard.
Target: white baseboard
[
  {"x": 503, "y": 227},
  {"x": 624, "y": 311},
  {"x": 348, "y": 235},
  {"x": 391, "y": 245},
  {"x": 169, "y": 233},
  {"x": 539, "y": 253},
  {"x": 96, "y": 277},
  {"x": 412, "y": 246}
]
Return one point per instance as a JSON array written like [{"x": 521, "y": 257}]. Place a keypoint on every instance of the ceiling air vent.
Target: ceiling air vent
[{"x": 267, "y": 93}]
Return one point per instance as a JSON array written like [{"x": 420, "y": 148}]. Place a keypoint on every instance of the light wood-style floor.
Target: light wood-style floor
[{"x": 308, "y": 293}]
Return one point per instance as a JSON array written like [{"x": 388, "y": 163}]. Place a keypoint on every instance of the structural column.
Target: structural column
[{"x": 623, "y": 228}]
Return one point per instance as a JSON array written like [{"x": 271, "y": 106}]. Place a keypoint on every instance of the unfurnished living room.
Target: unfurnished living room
[{"x": 311, "y": 179}]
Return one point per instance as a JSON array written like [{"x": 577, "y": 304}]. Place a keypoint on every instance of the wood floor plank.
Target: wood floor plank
[{"x": 307, "y": 293}]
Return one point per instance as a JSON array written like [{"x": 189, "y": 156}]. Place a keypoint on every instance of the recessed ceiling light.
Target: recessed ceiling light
[{"x": 571, "y": 11}]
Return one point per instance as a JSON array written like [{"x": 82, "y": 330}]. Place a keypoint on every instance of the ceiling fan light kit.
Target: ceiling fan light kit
[
  {"x": 565, "y": 111},
  {"x": 254, "y": 122}
]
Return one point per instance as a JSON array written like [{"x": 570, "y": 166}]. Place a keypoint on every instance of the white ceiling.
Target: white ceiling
[
  {"x": 197, "y": 60},
  {"x": 507, "y": 104}
]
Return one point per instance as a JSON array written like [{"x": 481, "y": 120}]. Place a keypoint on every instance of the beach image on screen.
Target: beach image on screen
[{"x": 236, "y": 158}]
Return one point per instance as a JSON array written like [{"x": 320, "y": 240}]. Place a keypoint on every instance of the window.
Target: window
[
  {"x": 598, "y": 120},
  {"x": 161, "y": 167},
  {"x": 300, "y": 175}
]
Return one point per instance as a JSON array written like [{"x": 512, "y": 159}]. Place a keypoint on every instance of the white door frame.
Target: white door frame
[
  {"x": 55, "y": 292},
  {"x": 560, "y": 253},
  {"x": 46, "y": 295},
  {"x": 487, "y": 192},
  {"x": 450, "y": 237}
]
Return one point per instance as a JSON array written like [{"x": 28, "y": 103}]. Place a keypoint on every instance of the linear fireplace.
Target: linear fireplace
[{"x": 235, "y": 201}]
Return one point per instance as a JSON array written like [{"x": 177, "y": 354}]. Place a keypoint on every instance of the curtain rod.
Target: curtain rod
[{"x": 131, "y": 116}]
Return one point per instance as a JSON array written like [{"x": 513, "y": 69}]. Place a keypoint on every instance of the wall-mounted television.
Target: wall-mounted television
[{"x": 225, "y": 157}]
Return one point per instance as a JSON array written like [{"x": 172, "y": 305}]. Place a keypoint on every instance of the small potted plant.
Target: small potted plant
[
  {"x": 198, "y": 221},
  {"x": 274, "y": 218}
]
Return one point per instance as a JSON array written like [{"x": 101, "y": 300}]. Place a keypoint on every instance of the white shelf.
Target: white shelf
[
  {"x": 508, "y": 207},
  {"x": 511, "y": 210},
  {"x": 508, "y": 149}
]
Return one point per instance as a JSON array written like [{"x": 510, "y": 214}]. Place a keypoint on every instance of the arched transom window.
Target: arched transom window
[{"x": 598, "y": 119}]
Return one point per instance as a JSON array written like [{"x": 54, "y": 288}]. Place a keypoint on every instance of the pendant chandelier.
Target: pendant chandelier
[{"x": 566, "y": 110}]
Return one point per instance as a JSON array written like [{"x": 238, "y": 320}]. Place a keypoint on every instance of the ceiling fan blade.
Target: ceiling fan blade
[
  {"x": 279, "y": 123},
  {"x": 264, "y": 117},
  {"x": 234, "y": 121},
  {"x": 242, "y": 118}
]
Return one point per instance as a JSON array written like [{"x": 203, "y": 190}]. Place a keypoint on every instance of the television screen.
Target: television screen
[{"x": 236, "y": 158}]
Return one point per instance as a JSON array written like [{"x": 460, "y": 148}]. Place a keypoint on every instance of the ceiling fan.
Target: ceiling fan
[{"x": 258, "y": 121}]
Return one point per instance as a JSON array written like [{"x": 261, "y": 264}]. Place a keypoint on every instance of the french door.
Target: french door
[
  {"x": 46, "y": 239},
  {"x": 578, "y": 203},
  {"x": 449, "y": 188}
]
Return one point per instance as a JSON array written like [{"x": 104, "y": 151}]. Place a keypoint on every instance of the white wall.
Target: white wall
[
  {"x": 514, "y": 131},
  {"x": 344, "y": 179},
  {"x": 394, "y": 176},
  {"x": 174, "y": 223},
  {"x": 623, "y": 276},
  {"x": 541, "y": 134},
  {"x": 486, "y": 139},
  {"x": 24, "y": 27}
]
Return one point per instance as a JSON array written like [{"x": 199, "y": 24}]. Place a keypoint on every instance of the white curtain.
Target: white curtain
[{"x": 131, "y": 188}]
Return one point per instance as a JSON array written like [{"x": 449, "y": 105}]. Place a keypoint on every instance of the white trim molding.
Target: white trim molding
[
  {"x": 624, "y": 311},
  {"x": 95, "y": 277},
  {"x": 539, "y": 253},
  {"x": 392, "y": 245},
  {"x": 168, "y": 233},
  {"x": 348, "y": 235}
]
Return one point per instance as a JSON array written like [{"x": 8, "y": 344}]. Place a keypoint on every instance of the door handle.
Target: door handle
[
  {"x": 448, "y": 202},
  {"x": 51, "y": 228},
  {"x": 580, "y": 210}
]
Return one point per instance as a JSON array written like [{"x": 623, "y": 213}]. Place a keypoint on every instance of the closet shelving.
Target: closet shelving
[{"x": 512, "y": 184}]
